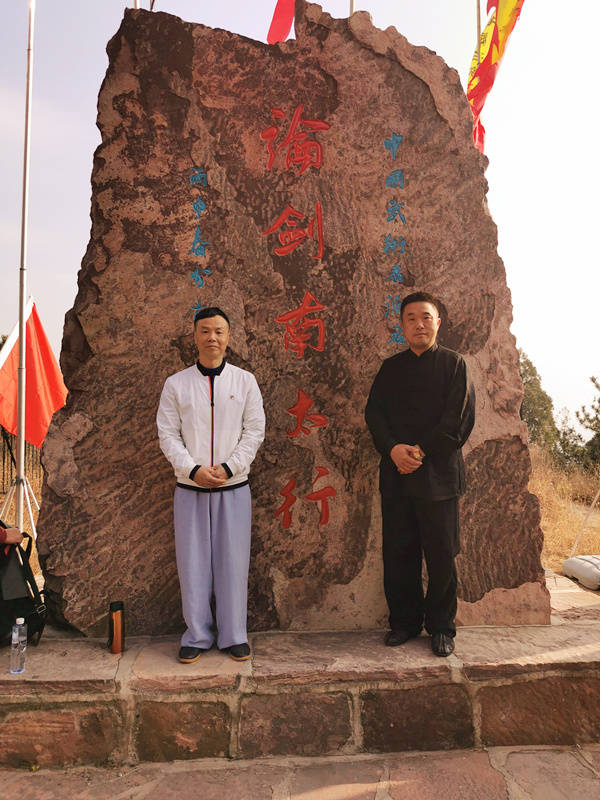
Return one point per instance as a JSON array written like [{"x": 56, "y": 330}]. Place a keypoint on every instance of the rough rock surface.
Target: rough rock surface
[
  {"x": 187, "y": 209},
  {"x": 295, "y": 724},
  {"x": 388, "y": 719}
]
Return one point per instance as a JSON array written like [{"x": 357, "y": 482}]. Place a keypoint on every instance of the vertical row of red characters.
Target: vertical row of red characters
[
  {"x": 303, "y": 328},
  {"x": 199, "y": 178},
  {"x": 394, "y": 246}
]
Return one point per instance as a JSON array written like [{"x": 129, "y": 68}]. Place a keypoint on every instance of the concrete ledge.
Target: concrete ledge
[{"x": 302, "y": 694}]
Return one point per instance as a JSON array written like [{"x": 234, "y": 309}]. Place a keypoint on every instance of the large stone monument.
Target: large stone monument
[{"x": 305, "y": 188}]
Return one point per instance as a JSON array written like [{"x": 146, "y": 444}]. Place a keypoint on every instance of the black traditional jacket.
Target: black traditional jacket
[{"x": 427, "y": 400}]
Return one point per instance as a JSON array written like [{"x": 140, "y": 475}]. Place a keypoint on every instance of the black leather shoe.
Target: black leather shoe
[
  {"x": 189, "y": 654},
  {"x": 240, "y": 652},
  {"x": 395, "y": 638},
  {"x": 442, "y": 644}
]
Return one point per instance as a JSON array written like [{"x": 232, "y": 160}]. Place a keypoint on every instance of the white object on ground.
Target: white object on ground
[{"x": 586, "y": 569}]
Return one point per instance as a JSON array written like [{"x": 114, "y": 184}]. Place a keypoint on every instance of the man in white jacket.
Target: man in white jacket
[{"x": 210, "y": 425}]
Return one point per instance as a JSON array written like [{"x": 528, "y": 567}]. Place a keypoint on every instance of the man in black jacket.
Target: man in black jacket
[{"x": 420, "y": 412}]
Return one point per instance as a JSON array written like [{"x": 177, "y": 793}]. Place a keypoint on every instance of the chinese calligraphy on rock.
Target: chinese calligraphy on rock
[
  {"x": 298, "y": 149},
  {"x": 394, "y": 245}
]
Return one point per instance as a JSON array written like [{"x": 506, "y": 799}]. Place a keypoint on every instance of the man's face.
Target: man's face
[
  {"x": 211, "y": 336},
  {"x": 420, "y": 323}
]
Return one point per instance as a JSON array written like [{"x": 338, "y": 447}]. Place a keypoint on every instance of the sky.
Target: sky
[{"x": 543, "y": 173}]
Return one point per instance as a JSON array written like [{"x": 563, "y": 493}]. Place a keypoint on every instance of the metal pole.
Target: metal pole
[
  {"x": 583, "y": 524},
  {"x": 351, "y": 7},
  {"x": 20, "y": 477},
  {"x": 478, "y": 30}
]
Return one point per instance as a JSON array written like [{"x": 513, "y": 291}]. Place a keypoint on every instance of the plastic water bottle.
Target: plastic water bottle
[{"x": 18, "y": 646}]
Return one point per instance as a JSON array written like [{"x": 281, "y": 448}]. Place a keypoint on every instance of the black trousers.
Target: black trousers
[{"x": 413, "y": 527}]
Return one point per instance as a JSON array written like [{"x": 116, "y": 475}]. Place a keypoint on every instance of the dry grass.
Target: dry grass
[{"x": 564, "y": 498}]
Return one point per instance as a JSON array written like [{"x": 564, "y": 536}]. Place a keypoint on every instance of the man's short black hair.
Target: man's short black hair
[
  {"x": 419, "y": 297},
  {"x": 210, "y": 311}
]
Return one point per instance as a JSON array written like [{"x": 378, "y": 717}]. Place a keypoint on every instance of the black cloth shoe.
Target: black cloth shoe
[
  {"x": 240, "y": 652},
  {"x": 395, "y": 638},
  {"x": 189, "y": 654},
  {"x": 442, "y": 644}
]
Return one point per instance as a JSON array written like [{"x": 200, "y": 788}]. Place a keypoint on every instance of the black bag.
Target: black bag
[{"x": 19, "y": 594}]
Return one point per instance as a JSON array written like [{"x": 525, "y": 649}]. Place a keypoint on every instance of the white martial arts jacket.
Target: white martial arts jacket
[{"x": 193, "y": 430}]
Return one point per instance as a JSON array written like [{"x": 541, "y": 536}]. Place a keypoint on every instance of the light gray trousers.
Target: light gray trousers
[{"x": 212, "y": 546}]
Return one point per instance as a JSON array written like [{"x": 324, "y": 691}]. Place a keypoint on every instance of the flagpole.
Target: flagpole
[{"x": 20, "y": 477}]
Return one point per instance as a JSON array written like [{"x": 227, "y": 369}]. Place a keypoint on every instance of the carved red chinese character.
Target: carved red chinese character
[
  {"x": 322, "y": 496},
  {"x": 300, "y": 411},
  {"x": 290, "y": 499},
  {"x": 292, "y": 234},
  {"x": 298, "y": 329},
  {"x": 302, "y": 151}
]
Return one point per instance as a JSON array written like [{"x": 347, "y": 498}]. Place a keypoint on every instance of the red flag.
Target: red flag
[
  {"x": 45, "y": 390},
  {"x": 281, "y": 24},
  {"x": 486, "y": 60}
]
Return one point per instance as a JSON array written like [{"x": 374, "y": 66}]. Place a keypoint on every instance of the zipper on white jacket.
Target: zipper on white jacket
[{"x": 211, "y": 381}]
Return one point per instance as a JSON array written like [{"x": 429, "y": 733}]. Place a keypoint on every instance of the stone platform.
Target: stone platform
[
  {"x": 498, "y": 773},
  {"x": 307, "y": 694}
]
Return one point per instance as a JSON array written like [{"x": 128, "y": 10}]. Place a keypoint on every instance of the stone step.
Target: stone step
[{"x": 301, "y": 694}]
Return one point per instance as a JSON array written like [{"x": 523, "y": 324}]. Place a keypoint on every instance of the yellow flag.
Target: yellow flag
[{"x": 491, "y": 49}]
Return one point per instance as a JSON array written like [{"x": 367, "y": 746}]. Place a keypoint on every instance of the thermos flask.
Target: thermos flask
[{"x": 116, "y": 627}]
